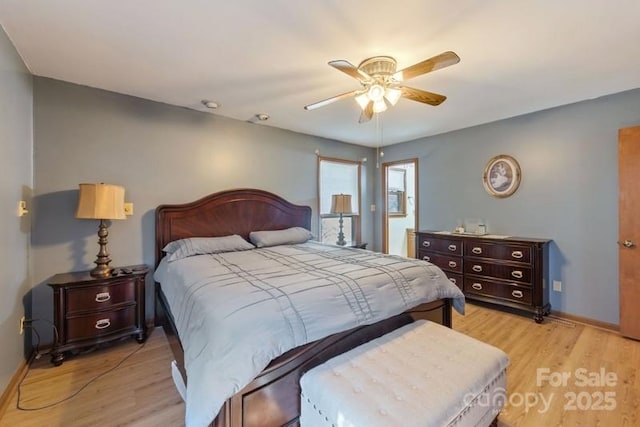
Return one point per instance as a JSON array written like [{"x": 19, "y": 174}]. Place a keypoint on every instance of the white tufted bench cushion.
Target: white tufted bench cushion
[{"x": 422, "y": 374}]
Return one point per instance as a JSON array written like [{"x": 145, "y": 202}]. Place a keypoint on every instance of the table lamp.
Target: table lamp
[
  {"x": 341, "y": 204},
  {"x": 101, "y": 201}
]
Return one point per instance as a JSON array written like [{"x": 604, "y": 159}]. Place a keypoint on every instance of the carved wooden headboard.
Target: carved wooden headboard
[{"x": 227, "y": 212}]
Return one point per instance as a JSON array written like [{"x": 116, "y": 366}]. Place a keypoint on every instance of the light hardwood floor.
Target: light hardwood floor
[{"x": 140, "y": 391}]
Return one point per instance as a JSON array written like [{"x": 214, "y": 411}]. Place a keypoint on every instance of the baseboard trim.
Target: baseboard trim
[
  {"x": 12, "y": 387},
  {"x": 612, "y": 327}
]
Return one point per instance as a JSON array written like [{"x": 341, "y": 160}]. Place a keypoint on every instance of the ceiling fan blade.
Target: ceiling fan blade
[
  {"x": 331, "y": 100},
  {"x": 367, "y": 113},
  {"x": 423, "y": 96},
  {"x": 350, "y": 69},
  {"x": 435, "y": 63}
]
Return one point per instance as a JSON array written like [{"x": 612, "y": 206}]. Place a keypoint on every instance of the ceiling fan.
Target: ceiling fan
[{"x": 382, "y": 85}]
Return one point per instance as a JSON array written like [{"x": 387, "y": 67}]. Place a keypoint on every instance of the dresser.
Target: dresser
[
  {"x": 505, "y": 272},
  {"x": 90, "y": 310}
]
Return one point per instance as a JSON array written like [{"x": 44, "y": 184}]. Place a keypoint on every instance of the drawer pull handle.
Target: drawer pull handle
[
  {"x": 426, "y": 244},
  {"x": 453, "y": 264},
  {"x": 477, "y": 286},
  {"x": 517, "y": 294},
  {"x": 477, "y": 268},
  {"x": 476, "y": 250},
  {"x": 453, "y": 248},
  {"x": 452, "y": 280},
  {"x": 517, "y": 254},
  {"x": 517, "y": 274},
  {"x": 103, "y": 323},
  {"x": 103, "y": 296},
  {"x": 426, "y": 258}
]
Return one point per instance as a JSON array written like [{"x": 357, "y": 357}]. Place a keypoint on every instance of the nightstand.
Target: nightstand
[{"x": 93, "y": 310}]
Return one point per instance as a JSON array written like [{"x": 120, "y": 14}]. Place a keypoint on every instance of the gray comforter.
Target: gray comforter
[{"x": 237, "y": 311}]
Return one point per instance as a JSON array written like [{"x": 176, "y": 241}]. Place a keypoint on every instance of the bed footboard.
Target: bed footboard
[{"x": 273, "y": 398}]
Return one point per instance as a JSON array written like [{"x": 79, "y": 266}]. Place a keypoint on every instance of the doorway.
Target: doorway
[{"x": 400, "y": 207}]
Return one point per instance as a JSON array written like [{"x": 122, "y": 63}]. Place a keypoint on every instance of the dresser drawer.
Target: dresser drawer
[
  {"x": 102, "y": 323},
  {"x": 99, "y": 297},
  {"x": 519, "y": 274},
  {"x": 445, "y": 262},
  {"x": 495, "y": 289},
  {"x": 448, "y": 246},
  {"x": 456, "y": 279},
  {"x": 497, "y": 251}
]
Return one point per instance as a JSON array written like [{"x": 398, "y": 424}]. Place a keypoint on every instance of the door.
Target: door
[
  {"x": 400, "y": 202},
  {"x": 629, "y": 230}
]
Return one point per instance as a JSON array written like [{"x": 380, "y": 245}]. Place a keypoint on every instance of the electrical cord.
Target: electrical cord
[
  {"x": 77, "y": 392},
  {"x": 29, "y": 324}
]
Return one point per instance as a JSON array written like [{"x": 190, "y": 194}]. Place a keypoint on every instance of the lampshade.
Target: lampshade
[
  {"x": 100, "y": 201},
  {"x": 362, "y": 100},
  {"x": 341, "y": 204},
  {"x": 376, "y": 92},
  {"x": 379, "y": 106},
  {"x": 393, "y": 95}
]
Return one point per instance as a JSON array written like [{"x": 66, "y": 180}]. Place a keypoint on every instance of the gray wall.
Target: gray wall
[
  {"x": 16, "y": 145},
  {"x": 568, "y": 193},
  {"x": 160, "y": 154}
]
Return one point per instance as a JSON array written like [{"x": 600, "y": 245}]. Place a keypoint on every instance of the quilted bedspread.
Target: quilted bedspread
[{"x": 236, "y": 311}]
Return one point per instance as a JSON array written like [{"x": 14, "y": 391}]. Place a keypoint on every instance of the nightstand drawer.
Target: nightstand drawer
[
  {"x": 99, "y": 297},
  {"x": 506, "y": 291},
  {"x": 445, "y": 262},
  {"x": 95, "y": 325}
]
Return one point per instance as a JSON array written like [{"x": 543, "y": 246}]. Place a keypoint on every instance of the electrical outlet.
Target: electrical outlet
[
  {"x": 22, "y": 208},
  {"x": 373, "y": 208},
  {"x": 21, "y": 330},
  {"x": 557, "y": 285}
]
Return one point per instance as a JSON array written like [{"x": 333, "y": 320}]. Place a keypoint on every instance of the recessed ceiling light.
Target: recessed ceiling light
[{"x": 211, "y": 104}]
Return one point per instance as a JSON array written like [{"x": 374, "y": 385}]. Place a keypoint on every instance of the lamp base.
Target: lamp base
[
  {"x": 341, "y": 240},
  {"x": 102, "y": 260},
  {"x": 101, "y": 270}
]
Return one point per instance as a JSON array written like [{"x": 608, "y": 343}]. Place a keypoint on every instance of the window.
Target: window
[{"x": 336, "y": 176}]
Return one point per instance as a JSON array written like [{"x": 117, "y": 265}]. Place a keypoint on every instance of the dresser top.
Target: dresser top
[{"x": 487, "y": 237}]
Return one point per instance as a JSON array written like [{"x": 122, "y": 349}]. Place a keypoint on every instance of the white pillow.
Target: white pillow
[
  {"x": 183, "y": 248},
  {"x": 289, "y": 236}
]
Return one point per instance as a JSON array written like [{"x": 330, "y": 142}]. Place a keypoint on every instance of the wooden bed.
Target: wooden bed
[{"x": 273, "y": 397}]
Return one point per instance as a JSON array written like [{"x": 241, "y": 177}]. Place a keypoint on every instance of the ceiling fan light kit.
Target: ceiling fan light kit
[{"x": 382, "y": 85}]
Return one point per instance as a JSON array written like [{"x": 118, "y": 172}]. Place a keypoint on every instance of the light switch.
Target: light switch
[{"x": 128, "y": 209}]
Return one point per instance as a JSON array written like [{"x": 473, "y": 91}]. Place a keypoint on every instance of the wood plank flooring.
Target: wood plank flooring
[{"x": 140, "y": 391}]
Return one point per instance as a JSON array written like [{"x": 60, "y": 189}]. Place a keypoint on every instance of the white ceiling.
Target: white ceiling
[{"x": 517, "y": 56}]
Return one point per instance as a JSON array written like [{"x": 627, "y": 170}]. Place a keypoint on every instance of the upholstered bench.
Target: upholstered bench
[{"x": 422, "y": 374}]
